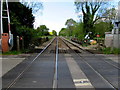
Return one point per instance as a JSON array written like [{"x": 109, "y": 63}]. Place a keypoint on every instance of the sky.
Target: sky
[{"x": 55, "y": 14}]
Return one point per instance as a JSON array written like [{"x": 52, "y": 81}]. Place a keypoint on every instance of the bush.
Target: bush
[
  {"x": 12, "y": 53},
  {"x": 102, "y": 27},
  {"x": 111, "y": 51}
]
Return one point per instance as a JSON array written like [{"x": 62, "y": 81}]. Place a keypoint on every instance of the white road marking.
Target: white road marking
[
  {"x": 79, "y": 78},
  {"x": 81, "y": 82}
]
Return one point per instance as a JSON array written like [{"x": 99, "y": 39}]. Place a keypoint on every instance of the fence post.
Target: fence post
[{"x": 18, "y": 44}]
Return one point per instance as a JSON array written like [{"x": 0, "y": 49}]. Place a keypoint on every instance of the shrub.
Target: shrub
[{"x": 111, "y": 51}]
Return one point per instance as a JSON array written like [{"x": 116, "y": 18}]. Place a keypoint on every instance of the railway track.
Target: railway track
[
  {"x": 116, "y": 65},
  {"x": 42, "y": 54},
  {"x": 83, "y": 59},
  {"x": 51, "y": 68}
]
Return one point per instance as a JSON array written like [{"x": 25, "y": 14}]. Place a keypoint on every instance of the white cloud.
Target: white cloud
[{"x": 53, "y": 25}]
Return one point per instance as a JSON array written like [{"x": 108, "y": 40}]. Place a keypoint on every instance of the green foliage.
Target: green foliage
[
  {"x": 22, "y": 20},
  {"x": 90, "y": 14},
  {"x": 22, "y": 13},
  {"x": 12, "y": 53},
  {"x": 103, "y": 27},
  {"x": 110, "y": 13},
  {"x": 63, "y": 32},
  {"x": 54, "y": 32},
  {"x": 78, "y": 31},
  {"x": 111, "y": 51},
  {"x": 42, "y": 31},
  {"x": 70, "y": 22},
  {"x": 70, "y": 26}
]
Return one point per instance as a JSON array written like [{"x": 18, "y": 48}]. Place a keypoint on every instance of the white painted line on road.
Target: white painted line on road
[
  {"x": 55, "y": 81},
  {"x": 81, "y": 82},
  {"x": 79, "y": 78}
]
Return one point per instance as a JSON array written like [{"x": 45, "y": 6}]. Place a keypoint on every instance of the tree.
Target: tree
[
  {"x": 70, "y": 23},
  {"x": 42, "y": 30},
  {"x": 102, "y": 27},
  {"x": 24, "y": 16},
  {"x": 110, "y": 14},
  {"x": 21, "y": 23},
  {"x": 90, "y": 13},
  {"x": 35, "y": 6},
  {"x": 54, "y": 32},
  {"x": 78, "y": 31},
  {"x": 63, "y": 32}
]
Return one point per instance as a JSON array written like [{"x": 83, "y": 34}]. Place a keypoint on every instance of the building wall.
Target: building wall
[
  {"x": 116, "y": 40},
  {"x": 112, "y": 40},
  {"x": 108, "y": 39}
]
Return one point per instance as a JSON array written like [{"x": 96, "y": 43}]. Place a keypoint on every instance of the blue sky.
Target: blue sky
[{"x": 55, "y": 14}]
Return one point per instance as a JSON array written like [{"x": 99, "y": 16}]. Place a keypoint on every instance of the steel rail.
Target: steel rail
[
  {"x": 27, "y": 67},
  {"x": 94, "y": 55},
  {"x": 55, "y": 81},
  {"x": 77, "y": 46},
  {"x": 83, "y": 59}
]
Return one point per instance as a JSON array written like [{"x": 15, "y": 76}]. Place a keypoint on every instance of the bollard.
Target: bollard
[{"x": 5, "y": 46}]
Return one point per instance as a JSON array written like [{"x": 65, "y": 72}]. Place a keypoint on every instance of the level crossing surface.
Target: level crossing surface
[{"x": 63, "y": 65}]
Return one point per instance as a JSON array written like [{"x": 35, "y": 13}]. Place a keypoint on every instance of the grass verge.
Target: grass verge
[
  {"x": 111, "y": 51},
  {"x": 11, "y": 53}
]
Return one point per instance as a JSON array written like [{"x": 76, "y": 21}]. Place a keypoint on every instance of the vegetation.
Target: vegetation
[
  {"x": 22, "y": 19},
  {"x": 42, "y": 30},
  {"x": 70, "y": 23},
  {"x": 95, "y": 18},
  {"x": 78, "y": 30},
  {"x": 102, "y": 27},
  {"x": 63, "y": 32},
  {"x": 111, "y": 51},
  {"x": 35, "y": 6},
  {"x": 90, "y": 14},
  {"x": 54, "y": 32},
  {"x": 12, "y": 53}
]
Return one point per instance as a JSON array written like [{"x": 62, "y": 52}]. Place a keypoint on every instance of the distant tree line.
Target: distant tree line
[{"x": 95, "y": 18}]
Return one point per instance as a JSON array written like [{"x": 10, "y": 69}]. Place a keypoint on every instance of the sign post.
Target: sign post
[{"x": 98, "y": 35}]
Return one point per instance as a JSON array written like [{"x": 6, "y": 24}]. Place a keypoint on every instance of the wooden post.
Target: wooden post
[{"x": 18, "y": 46}]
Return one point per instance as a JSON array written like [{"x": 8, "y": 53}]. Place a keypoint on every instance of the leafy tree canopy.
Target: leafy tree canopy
[
  {"x": 42, "y": 30},
  {"x": 91, "y": 13},
  {"x": 54, "y": 32}
]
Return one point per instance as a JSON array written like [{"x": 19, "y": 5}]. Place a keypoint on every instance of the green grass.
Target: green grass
[
  {"x": 12, "y": 53},
  {"x": 21, "y": 51},
  {"x": 16, "y": 52},
  {"x": 111, "y": 51}
]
